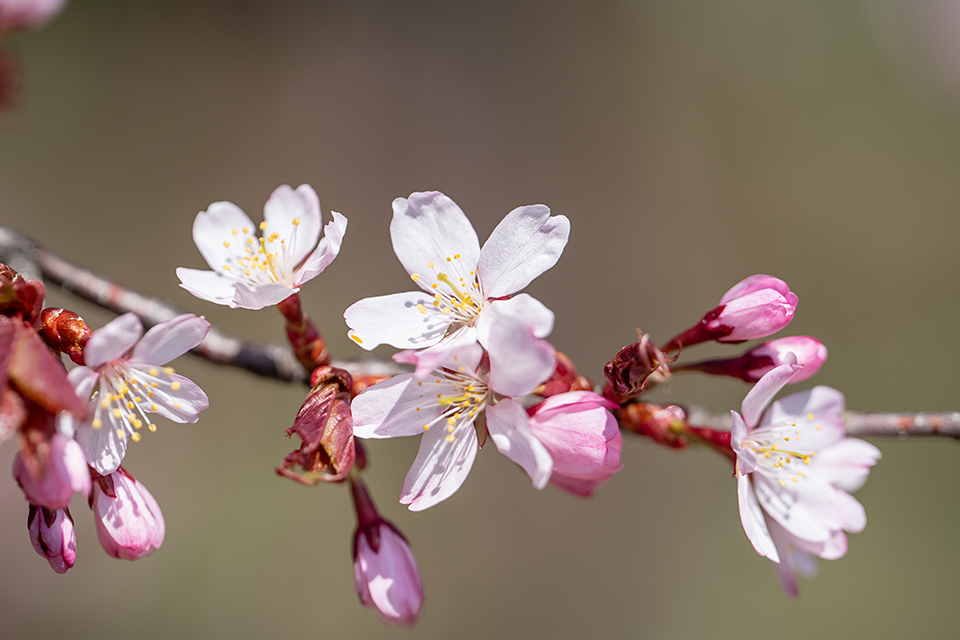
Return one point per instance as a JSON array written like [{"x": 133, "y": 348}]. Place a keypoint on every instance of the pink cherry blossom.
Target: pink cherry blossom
[
  {"x": 16, "y": 15},
  {"x": 444, "y": 408},
  {"x": 129, "y": 521},
  {"x": 581, "y": 436},
  {"x": 63, "y": 472},
  {"x": 385, "y": 571},
  {"x": 465, "y": 286},
  {"x": 253, "y": 272},
  {"x": 53, "y": 537},
  {"x": 125, "y": 379},
  {"x": 795, "y": 467},
  {"x": 755, "y": 307},
  {"x": 757, "y": 362}
]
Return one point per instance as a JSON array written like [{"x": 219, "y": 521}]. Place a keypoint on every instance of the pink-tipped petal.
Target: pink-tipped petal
[
  {"x": 170, "y": 339},
  {"x": 326, "y": 251},
  {"x": 763, "y": 392},
  {"x": 508, "y": 426},
  {"x": 113, "y": 340},
  {"x": 519, "y": 361}
]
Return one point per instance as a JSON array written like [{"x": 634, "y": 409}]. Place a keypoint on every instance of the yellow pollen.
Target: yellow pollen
[
  {"x": 250, "y": 241},
  {"x": 175, "y": 386},
  {"x": 235, "y": 232},
  {"x": 153, "y": 372},
  {"x": 456, "y": 256},
  {"x": 176, "y": 405},
  {"x": 436, "y": 303},
  {"x": 137, "y": 399},
  {"x": 97, "y": 423},
  {"x": 451, "y": 421},
  {"x": 787, "y": 438},
  {"x": 296, "y": 222},
  {"x": 246, "y": 272},
  {"x": 246, "y": 229},
  {"x": 135, "y": 437},
  {"x": 449, "y": 259},
  {"x": 356, "y": 339},
  {"x": 226, "y": 267},
  {"x": 818, "y": 428},
  {"x": 168, "y": 370},
  {"x": 273, "y": 237},
  {"x": 154, "y": 407},
  {"x": 418, "y": 408},
  {"x": 130, "y": 404},
  {"x": 226, "y": 244},
  {"x": 782, "y": 483},
  {"x": 430, "y": 264},
  {"x": 137, "y": 423},
  {"x": 104, "y": 404},
  {"x": 263, "y": 226},
  {"x": 419, "y": 384},
  {"x": 152, "y": 427},
  {"x": 116, "y": 413},
  {"x": 434, "y": 285},
  {"x": 795, "y": 479},
  {"x": 426, "y": 427},
  {"x": 121, "y": 434},
  {"x": 415, "y": 277},
  {"x": 810, "y": 416},
  {"x": 449, "y": 428},
  {"x": 450, "y": 438},
  {"x": 421, "y": 308}
]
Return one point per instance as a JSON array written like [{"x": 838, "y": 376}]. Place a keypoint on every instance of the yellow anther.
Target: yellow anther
[
  {"x": 456, "y": 256},
  {"x": 130, "y": 404},
  {"x": 116, "y": 413},
  {"x": 809, "y": 416},
  {"x": 795, "y": 479},
  {"x": 430, "y": 264},
  {"x": 449, "y": 259},
  {"x": 226, "y": 267},
  {"x": 154, "y": 407},
  {"x": 152, "y": 427},
  {"x": 137, "y": 423},
  {"x": 782, "y": 483},
  {"x": 104, "y": 404},
  {"x": 263, "y": 226},
  {"x": 176, "y": 405},
  {"x": 175, "y": 386},
  {"x": 356, "y": 339},
  {"x": 296, "y": 222},
  {"x": 168, "y": 370},
  {"x": 135, "y": 437},
  {"x": 450, "y": 438},
  {"x": 97, "y": 423},
  {"x": 121, "y": 434},
  {"x": 415, "y": 277},
  {"x": 434, "y": 285},
  {"x": 418, "y": 408},
  {"x": 235, "y": 232},
  {"x": 226, "y": 244},
  {"x": 426, "y": 427},
  {"x": 421, "y": 308},
  {"x": 246, "y": 229}
]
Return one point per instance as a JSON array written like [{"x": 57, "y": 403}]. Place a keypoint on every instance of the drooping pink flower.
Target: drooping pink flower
[
  {"x": 53, "y": 537},
  {"x": 465, "y": 286},
  {"x": 129, "y": 521},
  {"x": 444, "y": 408},
  {"x": 581, "y": 436},
  {"x": 754, "y": 364},
  {"x": 61, "y": 471},
  {"x": 17, "y": 15},
  {"x": 755, "y": 307},
  {"x": 795, "y": 468},
  {"x": 125, "y": 379},
  {"x": 384, "y": 569},
  {"x": 253, "y": 272}
]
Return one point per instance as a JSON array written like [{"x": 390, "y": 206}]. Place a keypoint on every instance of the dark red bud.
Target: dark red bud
[
  {"x": 564, "y": 379},
  {"x": 307, "y": 343},
  {"x": 664, "y": 424},
  {"x": 628, "y": 372},
  {"x": 65, "y": 331},
  {"x": 20, "y": 298}
]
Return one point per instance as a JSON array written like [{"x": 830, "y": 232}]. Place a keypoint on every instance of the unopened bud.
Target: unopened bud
[
  {"x": 55, "y": 471},
  {"x": 325, "y": 426},
  {"x": 20, "y": 298},
  {"x": 53, "y": 537},
  {"x": 65, "y": 331},
  {"x": 752, "y": 365},
  {"x": 129, "y": 521},
  {"x": 755, "y": 307},
  {"x": 564, "y": 379},
  {"x": 628, "y": 373}
]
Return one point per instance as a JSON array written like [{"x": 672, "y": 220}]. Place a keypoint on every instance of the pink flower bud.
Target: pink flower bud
[
  {"x": 53, "y": 537},
  {"x": 129, "y": 522},
  {"x": 384, "y": 569},
  {"x": 59, "y": 470},
  {"x": 581, "y": 436},
  {"x": 18, "y": 15},
  {"x": 752, "y": 365},
  {"x": 755, "y": 307}
]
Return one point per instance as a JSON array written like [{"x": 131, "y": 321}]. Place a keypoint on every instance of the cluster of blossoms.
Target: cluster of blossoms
[{"x": 73, "y": 428}]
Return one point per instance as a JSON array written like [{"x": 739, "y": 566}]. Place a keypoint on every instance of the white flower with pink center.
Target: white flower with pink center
[
  {"x": 795, "y": 467},
  {"x": 125, "y": 379},
  {"x": 466, "y": 288},
  {"x": 251, "y": 271},
  {"x": 450, "y": 409}
]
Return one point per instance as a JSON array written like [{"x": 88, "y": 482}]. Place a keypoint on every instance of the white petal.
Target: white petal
[
  {"x": 459, "y": 346},
  {"x": 286, "y": 205},
  {"x": 248, "y": 296},
  {"x": 440, "y": 467},
  {"x": 526, "y": 243},
  {"x": 113, "y": 340},
  {"x": 762, "y": 393},
  {"x": 170, "y": 339},
  {"x": 396, "y": 320},
  {"x": 752, "y": 519},
  {"x": 326, "y": 251},
  {"x": 430, "y": 227},
  {"x": 746, "y": 457},
  {"x": 523, "y": 308},
  {"x": 83, "y": 380},
  {"x": 807, "y": 509},
  {"x": 103, "y": 449},
  {"x": 825, "y": 404},
  {"x": 510, "y": 429},
  {"x": 519, "y": 361},
  {"x": 785, "y": 569},
  {"x": 213, "y": 227},
  {"x": 847, "y": 463},
  {"x": 396, "y": 407},
  {"x": 208, "y": 285},
  {"x": 182, "y": 405}
]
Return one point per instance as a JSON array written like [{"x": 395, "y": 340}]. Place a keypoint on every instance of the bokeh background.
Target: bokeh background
[{"x": 691, "y": 143}]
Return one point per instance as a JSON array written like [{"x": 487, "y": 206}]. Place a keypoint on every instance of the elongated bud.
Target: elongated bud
[
  {"x": 56, "y": 470},
  {"x": 752, "y": 365},
  {"x": 627, "y": 374},
  {"x": 384, "y": 569},
  {"x": 53, "y": 537},
  {"x": 129, "y": 521},
  {"x": 20, "y": 298},
  {"x": 65, "y": 331},
  {"x": 755, "y": 307},
  {"x": 325, "y": 426}
]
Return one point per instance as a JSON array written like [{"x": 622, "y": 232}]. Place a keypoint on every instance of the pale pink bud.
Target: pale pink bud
[
  {"x": 53, "y": 537},
  {"x": 129, "y": 522},
  {"x": 752, "y": 365},
  {"x": 16, "y": 15},
  {"x": 582, "y": 437},
  {"x": 61, "y": 470},
  {"x": 755, "y": 307},
  {"x": 384, "y": 569}
]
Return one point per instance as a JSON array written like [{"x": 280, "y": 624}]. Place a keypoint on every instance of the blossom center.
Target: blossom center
[
  {"x": 460, "y": 394},
  {"x": 127, "y": 393},
  {"x": 456, "y": 290},
  {"x": 779, "y": 452},
  {"x": 267, "y": 259}
]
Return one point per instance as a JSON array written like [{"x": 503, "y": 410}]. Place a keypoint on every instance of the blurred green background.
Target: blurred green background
[{"x": 691, "y": 143}]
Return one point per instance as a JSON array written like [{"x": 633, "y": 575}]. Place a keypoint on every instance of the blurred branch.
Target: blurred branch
[{"x": 277, "y": 361}]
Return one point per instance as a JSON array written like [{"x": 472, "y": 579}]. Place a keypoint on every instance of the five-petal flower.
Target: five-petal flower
[
  {"x": 465, "y": 287},
  {"x": 253, "y": 272},
  {"x": 125, "y": 379}
]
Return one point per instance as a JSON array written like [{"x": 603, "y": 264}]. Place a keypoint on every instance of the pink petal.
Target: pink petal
[
  {"x": 527, "y": 242},
  {"x": 326, "y": 251},
  {"x": 396, "y": 407},
  {"x": 807, "y": 509},
  {"x": 763, "y": 392},
  {"x": 213, "y": 227},
  {"x": 454, "y": 346},
  {"x": 753, "y": 284},
  {"x": 113, "y": 340},
  {"x": 283, "y": 207},
  {"x": 753, "y": 522},
  {"x": 846, "y": 463},
  {"x": 580, "y": 434},
  {"x": 170, "y": 339},
  {"x": 746, "y": 457},
  {"x": 430, "y": 227},
  {"x": 825, "y": 404},
  {"x": 208, "y": 285},
  {"x": 510, "y": 430},
  {"x": 182, "y": 405},
  {"x": 396, "y": 320},
  {"x": 388, "y": 579},
  {"x": 519, "y": 361},
  {"x": 440, "y": 467},
  {"x": 522, "y": 308}
]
